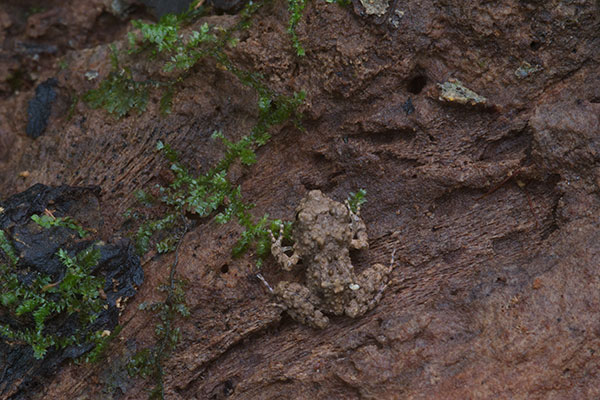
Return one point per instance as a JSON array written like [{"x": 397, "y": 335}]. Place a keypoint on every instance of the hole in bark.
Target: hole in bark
[
  {"x": 228, "y": 388},
  {"x": 225, "y": 269},
  {"x": 535, "y": 45},
  {"x": 417, "y": 84},
  {"x": 390, "y": 136},
  {"x": 16, "y": 80}
]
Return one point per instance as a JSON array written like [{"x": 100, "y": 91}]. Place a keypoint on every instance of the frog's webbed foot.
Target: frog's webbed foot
[
  {"x": 278, "y": 251},
  {"x": 360, "y": 241},
  {"x": 301, "y": 304},
  {"x": 368, "y": 289}
]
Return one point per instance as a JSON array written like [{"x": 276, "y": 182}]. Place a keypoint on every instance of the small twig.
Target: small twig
[
  {"x": 510, "y": 175},
  {"x": 263, "y": 280},
  {"x": 50, "y": 286},
  {"x": 49, "y": 213},
  {"x": 530, "y": 205}
]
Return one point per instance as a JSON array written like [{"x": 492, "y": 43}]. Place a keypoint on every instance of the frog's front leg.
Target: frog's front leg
[
  {"x": 368, "y": 289},
  {"x": 360, "y": 240},
  {"x": 278, "y": 251},
  {"x": 301, "y": 304}
]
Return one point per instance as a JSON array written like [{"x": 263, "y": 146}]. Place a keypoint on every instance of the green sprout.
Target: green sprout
[{"x": 355, "y": 200}]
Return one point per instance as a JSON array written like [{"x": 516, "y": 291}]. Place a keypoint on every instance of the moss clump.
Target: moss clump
[
  {"x": 33, "y": 300},
  {"x": 213, "y": 193},
  {"x": 119, "y": 92},
  {"x": 48, "y": 221},
  {"x": 295, "y": 8}
]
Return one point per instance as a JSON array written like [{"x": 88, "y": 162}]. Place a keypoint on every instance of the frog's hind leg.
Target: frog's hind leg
[
  {"x": 301, "y": 304},
  {"x": 368, "y": 289}
]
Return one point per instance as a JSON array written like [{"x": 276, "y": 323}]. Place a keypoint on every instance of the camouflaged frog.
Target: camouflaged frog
[{"x": 323, "y": 233}]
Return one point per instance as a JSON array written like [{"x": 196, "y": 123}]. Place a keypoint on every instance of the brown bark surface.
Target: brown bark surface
[{"x": 493, "y": 211}]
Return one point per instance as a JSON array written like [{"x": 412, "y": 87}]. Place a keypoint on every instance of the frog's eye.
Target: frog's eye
[{"x": 302, "y": 217}]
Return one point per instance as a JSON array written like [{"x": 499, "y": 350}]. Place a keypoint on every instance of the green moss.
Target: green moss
[
  {"x": 296, "y": 7},
  {"x": 46, "y": 221},
  {"x": 147, "y": 363},
  {"x": 145, "y": 198},
  {"x": 343, "y": 3},
  {"x": 212, "y": 192},
  {"x": 355, "y": 200},
  {"x": 101, "y": 340},
  {"x": 159, "y": 37},
  {"x": 149, "y": 228},
  {"x": 41, "y": 300},
  {"x": 164, "y": 37},
  {"x": 119, "y": 93},
  {"x": 7, "y": 248},
  {"x": 189, "y": 196},
  {"x": 72, "y": 107}
]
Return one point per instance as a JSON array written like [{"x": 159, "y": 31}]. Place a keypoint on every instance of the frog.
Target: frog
[{"x": 323, "y": 232}]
